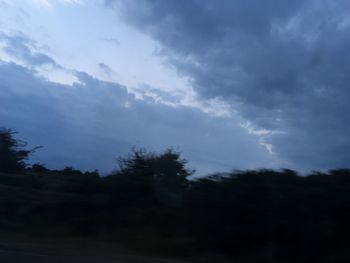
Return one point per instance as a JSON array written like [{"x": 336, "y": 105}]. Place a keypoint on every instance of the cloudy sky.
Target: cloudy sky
[{"x": 233, "y": 84}]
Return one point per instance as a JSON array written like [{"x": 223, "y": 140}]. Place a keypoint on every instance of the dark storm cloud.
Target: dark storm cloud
[
  {"x": 91, "y": 122},
  {"x": 283, "y": 65}
]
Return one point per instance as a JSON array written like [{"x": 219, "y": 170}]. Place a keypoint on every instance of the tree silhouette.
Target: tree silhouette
[
  {"x": 143, "y": 164},
  {"x": 12, "y": 152},
  {"x": 153, "y": 176}
]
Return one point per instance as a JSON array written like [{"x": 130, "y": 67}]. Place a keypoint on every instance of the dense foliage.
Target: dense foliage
[
  {"x": 12, "y": 152},
  {"x": 249, "y": 216}
]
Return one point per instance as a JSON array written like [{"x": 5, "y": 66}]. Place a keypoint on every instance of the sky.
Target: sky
[{"x": 232, "y": 84}]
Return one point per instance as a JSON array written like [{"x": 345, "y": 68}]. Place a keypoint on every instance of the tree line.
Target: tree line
[{"x": 149, "y": 202}]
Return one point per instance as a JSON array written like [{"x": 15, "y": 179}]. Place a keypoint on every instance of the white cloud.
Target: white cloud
[
  {"x": 45, "y": 3},
  {"x": 51, "y": 3}
]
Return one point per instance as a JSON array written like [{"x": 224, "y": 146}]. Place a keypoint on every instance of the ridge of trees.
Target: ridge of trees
[{"x": 248, "y": 216}]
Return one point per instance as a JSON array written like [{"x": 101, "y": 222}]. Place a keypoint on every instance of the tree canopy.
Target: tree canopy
[
  {"x": 13, "y": 152},
  {"x": 154, "y": 176}
]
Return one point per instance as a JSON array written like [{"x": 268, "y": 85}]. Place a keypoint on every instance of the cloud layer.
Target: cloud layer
[
  {"x": 283, "y": 65},
  {"x": 89, "y": 123}
]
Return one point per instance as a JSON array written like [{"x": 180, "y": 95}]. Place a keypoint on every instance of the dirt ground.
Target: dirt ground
[
  {"x": 27, "y": 257},
  {"x": 73, "y": 251}
]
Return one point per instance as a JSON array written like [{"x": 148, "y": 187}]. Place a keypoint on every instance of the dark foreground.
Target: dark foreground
[
  {"x": 53, "y": 252},
  {"x": 252, "y": 216},
  {"x": 27, "y": 257}
]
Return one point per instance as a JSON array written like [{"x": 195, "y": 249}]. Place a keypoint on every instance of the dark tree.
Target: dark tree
[
  {"x": 143, "y": 163},
  {"x": 39, "y": 168},
  {"x": 170, "y": 177},
  {"x": 13, "y": 153},
  {"x": 154, "y": 176},
  {"x": 69, "y": 170}
]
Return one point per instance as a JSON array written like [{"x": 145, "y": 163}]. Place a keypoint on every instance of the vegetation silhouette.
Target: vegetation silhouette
[
  {"x": 150, "y": 204},
  {"x": 12, "y": 152}
]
